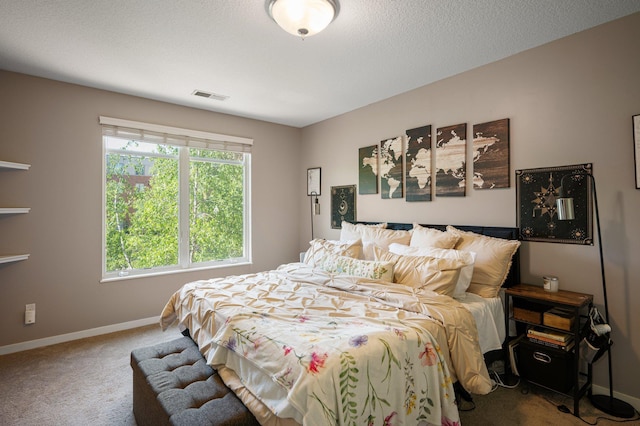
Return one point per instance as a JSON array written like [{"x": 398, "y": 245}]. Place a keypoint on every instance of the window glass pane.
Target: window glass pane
[
  {"x": 216, "y": 206},
  {"x": 141, "y": 207},
  {"x": 113, "y": 144},
  {"x": 218, "y": 155},
  {"x": 156, "y": 193}
]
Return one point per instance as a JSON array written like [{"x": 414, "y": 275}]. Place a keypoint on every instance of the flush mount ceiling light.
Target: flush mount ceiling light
[{"x": 303, "y": 18}]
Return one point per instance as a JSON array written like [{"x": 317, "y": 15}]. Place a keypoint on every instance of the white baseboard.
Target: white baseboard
[
  {"x": 32, "y": 344},
  {"x": 601, "y": 390}
]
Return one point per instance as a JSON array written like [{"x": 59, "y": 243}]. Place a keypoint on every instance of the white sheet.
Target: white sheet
[{"x": 489, "y": 316}]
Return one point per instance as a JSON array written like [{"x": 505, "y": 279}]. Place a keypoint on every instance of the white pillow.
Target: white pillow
[
  {"x": 432, "y": 273},
  {"x": 320, "y": 249},
  {"x": 493, "y": 260},
  {"x": 380, "y": 237},
  {"x": 431, "y": 237},
  {"x": 377, "y": 270},
  {"x": 352, "y": 232},
  {"x": 467, "y": 257}
]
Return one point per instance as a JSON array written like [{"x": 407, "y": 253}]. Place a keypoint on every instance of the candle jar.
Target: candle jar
[{"x": 551, "y": 283}]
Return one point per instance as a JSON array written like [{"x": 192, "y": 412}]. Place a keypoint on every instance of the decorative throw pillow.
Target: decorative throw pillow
[
  {"x": 320, "y": 249},
  {"x": 431, "y": 237},
  {"x": 493, "y": 260},
  {"x": 467, "y": 257},
  {"x": 379, "y": 237},
  {"x": 351, "y": 232},
  {"x": 436, "y": 274},
  {"x": 376, "y": 270}
]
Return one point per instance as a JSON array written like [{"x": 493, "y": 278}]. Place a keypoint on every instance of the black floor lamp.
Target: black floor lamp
[
  {"x": 565, "y": 211},
  {"x": 315, "y": 209}
]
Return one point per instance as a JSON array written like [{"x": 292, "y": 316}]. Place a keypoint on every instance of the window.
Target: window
[{"x": 174, "y": 199}]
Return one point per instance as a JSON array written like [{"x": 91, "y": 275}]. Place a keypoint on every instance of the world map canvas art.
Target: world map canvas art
[
  {"x": 368, "y": 170},
  {"x": 418, "y": 158},
  {"x": 451, "y": 149},
  {"x": 491, "y": 155},
  {"x": 391, "y": 168}
]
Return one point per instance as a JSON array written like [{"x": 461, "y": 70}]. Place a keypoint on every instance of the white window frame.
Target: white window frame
[{"x": 183, "y": 139}]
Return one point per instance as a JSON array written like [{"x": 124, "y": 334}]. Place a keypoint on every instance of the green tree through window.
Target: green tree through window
[
  {"x": 151, "y": 224},
  {"x": 216, "y": 198}
]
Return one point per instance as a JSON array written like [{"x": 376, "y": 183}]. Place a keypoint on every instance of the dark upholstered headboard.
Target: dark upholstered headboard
[{"x": 492, "y": 231}]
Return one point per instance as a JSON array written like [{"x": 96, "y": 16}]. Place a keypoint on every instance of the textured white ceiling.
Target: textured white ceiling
[{"x": 166, "y": 49}]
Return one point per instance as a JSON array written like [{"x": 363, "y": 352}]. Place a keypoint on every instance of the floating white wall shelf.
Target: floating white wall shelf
[
  {"x": 8, "y": 165},
  {"x": 7, "y": 258},
  {"x": 14, "y": 210},
  {"x": 13, "y": 166}
]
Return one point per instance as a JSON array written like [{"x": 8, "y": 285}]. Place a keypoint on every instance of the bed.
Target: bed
[{"x": 374, "y": 328}]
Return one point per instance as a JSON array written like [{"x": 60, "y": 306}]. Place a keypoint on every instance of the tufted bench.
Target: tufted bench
[{"x": 173, "y": 385}]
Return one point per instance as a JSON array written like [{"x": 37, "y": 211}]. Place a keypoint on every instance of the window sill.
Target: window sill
[{"x": 156, "y": 273}]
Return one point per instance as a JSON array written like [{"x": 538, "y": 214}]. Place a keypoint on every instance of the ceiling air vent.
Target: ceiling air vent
[{"x": 209, "y": 95}]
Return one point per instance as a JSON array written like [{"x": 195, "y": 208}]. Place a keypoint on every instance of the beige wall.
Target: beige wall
[
  {"x": 568, "y": 102},
  {"x": 54, "y": 127}
]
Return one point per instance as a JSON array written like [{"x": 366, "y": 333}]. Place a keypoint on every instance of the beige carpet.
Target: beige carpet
[
  {"x": 531, "y": 405},
  {"x": 88, "y": 381},
  {"x": 84, "y": 382}
]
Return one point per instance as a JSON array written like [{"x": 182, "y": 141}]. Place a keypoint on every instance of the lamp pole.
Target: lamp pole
[
  {"x": 315, "y": 208},
  {"x": 605, "y": 403}
]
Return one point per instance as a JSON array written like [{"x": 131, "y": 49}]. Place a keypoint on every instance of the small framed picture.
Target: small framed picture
[
  {"x": 343, "y": 205},
  {"x": 313, "y": 181},
  {"x": 636, "y": 145}
]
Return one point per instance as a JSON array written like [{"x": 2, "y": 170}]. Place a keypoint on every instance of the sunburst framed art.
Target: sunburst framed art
[{"x": 536, "y": 193}]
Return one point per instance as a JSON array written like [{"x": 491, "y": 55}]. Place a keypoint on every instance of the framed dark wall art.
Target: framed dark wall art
[
  {"x": 451, "y": 160},
  {"x": 636, "y": 146},
  {"x": 418, "y": 159},
  {"x": 313, "y": 181},
  {"x": 368, "y": 170},
  {"x": 343, "y": 205},
  {"x": 536, "y": 192},
  {"x": 491, "y": 155},
  {"x": 391, "y": 168}
]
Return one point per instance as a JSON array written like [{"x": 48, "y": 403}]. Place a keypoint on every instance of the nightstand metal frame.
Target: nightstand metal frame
[{"x": 573, "y": 301}]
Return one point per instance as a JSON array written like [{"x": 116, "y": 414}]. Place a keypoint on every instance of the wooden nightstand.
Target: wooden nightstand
[{"x": 551, "y": 363}]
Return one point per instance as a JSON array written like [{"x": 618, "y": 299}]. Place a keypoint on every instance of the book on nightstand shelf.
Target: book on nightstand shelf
[
  {"x": 552, "y": 344},
  {"x": 513, "y": 354},
  {"x": 555, "y": 336}
]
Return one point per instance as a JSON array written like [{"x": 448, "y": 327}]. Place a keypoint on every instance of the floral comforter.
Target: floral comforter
[{"x": 330, "y": 349}]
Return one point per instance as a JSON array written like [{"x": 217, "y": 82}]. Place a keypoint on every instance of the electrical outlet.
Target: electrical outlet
[{"x": 30, "y": 313}]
